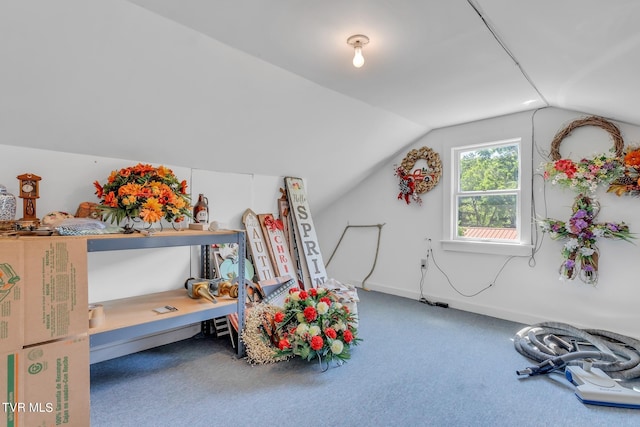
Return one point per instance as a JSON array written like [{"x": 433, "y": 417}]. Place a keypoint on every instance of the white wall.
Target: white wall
[
  {"x": 67, "y": 180},
  {"x": 527, "y": 289},
  {"x": 112, "y": 79}
]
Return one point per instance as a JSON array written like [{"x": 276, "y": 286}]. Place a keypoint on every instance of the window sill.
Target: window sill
[{"x": 493, "y": 248}]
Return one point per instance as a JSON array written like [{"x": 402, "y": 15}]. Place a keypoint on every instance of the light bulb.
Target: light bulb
[
  {"x": 358, "y": 59},
  {"x": 358, "y": 41}
]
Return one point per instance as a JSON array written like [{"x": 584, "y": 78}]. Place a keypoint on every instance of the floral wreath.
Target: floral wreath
[
  {"x": 418, "y": 181},
  {"x": 585, "y": 175},
  {"x": 260, "y": 349},
  {"x": 312, "y": 324}
]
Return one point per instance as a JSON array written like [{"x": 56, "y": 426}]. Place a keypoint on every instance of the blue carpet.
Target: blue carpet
[{"x": 417, "y": 366}]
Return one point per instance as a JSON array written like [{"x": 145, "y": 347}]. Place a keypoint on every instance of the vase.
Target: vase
[
  {"x": 7, "y": 205},
  {"x": 136, "y": 224}
]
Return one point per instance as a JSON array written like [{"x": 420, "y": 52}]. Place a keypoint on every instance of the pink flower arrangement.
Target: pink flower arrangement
[{"x": 585, "y": 175}]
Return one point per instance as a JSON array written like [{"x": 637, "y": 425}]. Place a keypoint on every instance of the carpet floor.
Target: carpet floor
[{"x": 417, "y": 365}]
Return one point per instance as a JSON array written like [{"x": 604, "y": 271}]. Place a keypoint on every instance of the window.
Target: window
[{"x": 487, "y": 201}]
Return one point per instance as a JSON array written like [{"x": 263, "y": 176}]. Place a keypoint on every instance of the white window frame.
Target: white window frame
[{"x": 520, "y": 247}]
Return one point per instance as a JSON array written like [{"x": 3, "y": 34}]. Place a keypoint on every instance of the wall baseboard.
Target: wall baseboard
[
  {"x": 122, "y": 348},
  {"x": 513, "y": 316},
  {"x": 499, "y": 313}
]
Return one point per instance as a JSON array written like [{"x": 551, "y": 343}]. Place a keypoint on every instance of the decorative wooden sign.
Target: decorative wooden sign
[
  {"x": 285, "y": 216},
  {"x": 258, "y": 248},
  {"x": 305, "y": 231},
  {"x": 273, "y": 230},
  {"x": 290, "y": 233}
]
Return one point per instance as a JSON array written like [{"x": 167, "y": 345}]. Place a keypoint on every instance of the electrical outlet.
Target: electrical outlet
[{"x": 423, "y": 263}]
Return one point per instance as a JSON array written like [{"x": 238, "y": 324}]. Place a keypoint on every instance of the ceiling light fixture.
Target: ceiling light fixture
[{"x": 357, "y": 41}]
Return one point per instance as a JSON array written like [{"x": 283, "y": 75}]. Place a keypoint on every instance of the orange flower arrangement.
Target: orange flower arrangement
[
  {"x": 629, "y": 183},
  {"x": 144, "y": 192},
  {"x": 632, "y": 159}
]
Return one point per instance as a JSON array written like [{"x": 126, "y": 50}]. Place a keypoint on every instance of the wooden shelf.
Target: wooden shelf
[{"x": 128, "y": 318}]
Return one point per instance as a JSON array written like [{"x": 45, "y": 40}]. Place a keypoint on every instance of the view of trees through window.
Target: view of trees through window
[{"x": 488, "y": 187}]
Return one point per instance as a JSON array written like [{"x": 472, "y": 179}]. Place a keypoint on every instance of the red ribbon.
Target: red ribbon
[{"x": 273, "y": 224}]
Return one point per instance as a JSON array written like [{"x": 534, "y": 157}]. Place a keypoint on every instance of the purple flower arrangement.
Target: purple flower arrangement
[{"x": 581, "y": 232}]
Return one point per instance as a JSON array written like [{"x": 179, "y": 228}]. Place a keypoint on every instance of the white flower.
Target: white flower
[
  {"x": 314, "y": 330},
  {"x": 584, "y": 251},
  {"x": 337, "y": 305},
  {"x": 571, "y": 245},
  {"x": 598, "y": 232},
  {"x": 322, "y": 308},
  {"x": 295, "y": 296},
  {"x": 302, "y": 329},
  {"x": 337, "y": 346},
  {"x": 300, "y": 317},
  {"x": 339, "y": 326}
]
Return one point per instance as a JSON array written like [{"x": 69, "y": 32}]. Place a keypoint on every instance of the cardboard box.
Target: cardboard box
[
  {"x": 55, "y": 288},
  {"x": 11, "y": 389},
  {"x": 43, "y": 297},
  {"x": 11, "y": 295},
  {"x": 56, "y": 383},
  {"x": 46, "y": 384},
  {"x": 43, "y": 290}
]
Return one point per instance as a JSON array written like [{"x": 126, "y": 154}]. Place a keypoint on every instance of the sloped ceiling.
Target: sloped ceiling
[
  {"x": 267, "y": 86},
  {"x": 439, "y": 63},
  {"x": 431, "y": 62}
]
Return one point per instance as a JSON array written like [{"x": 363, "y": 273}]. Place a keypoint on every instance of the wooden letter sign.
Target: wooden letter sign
[
  {"x": 308, "y": 241},
  {"x": 257, "y": 246},
  {"x": 280, "y": 255}
]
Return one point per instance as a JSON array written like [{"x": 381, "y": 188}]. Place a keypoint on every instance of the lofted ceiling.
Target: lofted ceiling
[
  {"x": 438, "y": 63},
  {"x": 267, "y": 86}
]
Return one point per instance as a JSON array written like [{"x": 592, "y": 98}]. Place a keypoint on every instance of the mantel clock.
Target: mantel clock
[{"x": 29, "y": 192}]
